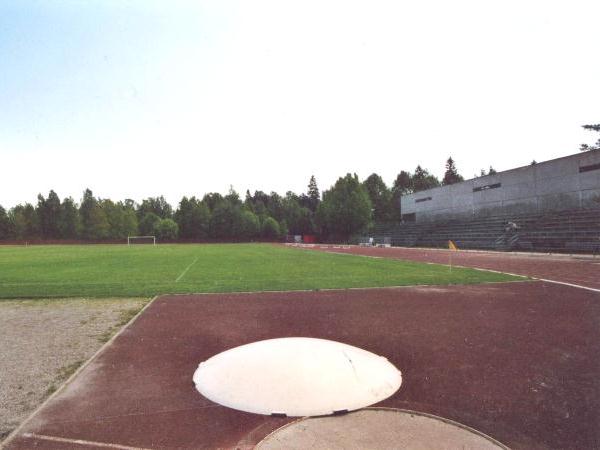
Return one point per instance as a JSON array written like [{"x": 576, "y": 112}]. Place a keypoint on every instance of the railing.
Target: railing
[{"x": 565, "y": 231}]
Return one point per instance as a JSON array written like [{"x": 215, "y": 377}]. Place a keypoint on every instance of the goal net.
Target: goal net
[{"x": 133, "y": 240}]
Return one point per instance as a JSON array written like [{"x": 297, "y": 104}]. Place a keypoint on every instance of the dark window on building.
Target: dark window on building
[
  {"x": 589, "y": 168},
  {"x": 419, "y": 200},
  {"x": 410, "y": 217},
  {"x": 487, "y": 186}
]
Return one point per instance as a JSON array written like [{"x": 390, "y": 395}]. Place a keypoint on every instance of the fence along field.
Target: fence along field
[{"x": 146, "y": 270}]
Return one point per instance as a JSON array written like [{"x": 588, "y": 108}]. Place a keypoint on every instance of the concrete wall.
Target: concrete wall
[{"x": 552, "y": 185}]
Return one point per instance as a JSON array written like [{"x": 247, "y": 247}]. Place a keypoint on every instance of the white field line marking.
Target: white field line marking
[
  {"x": 437, "y": 264},
  {"x": 79, "y": 441},
  {"x": 367, "y": 288},
  {"x": 570, "y": 284},
  {"x": 68, "y": 381},
  {"x": 496, "y": 252},
  {"x": 488, "y": 270},
  {"x": 356, "y": 254},
  {"x": 186, "y": 269}
]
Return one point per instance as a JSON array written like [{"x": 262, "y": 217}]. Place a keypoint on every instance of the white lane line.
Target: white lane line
[
  {"x": 186, "y": 269},
  {"x": 79, "y": 441},
  {"x": 570, "y": 284},
  {"x": 487, "y": 270},
  {"x": 356, "y": 254}
]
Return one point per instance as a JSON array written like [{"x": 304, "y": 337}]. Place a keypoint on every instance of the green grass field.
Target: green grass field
[{"x": 145, "y": 270}]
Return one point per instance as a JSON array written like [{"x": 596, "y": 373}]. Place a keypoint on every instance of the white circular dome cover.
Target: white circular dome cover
[{"x": 297, "y": 377}]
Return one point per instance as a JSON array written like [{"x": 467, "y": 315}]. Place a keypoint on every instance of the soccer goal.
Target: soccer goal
[{"x": 131, "y": 240}]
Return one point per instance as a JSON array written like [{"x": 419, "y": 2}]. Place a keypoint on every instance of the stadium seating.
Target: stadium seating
[{"x": 573, "y": 231}]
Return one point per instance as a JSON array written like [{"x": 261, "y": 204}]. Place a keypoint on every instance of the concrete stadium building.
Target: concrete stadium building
[{"x": 571, "y": 182}]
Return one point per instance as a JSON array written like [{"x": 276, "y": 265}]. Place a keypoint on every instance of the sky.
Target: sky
[{"x": 143, "y": 98}]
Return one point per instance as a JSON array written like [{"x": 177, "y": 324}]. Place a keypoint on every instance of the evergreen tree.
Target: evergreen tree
[
  {"x": 69, "y": 224},
  {"x": 248, "y": 204},
  {"x": 596, "y": 146},
  {"x": 5, "y": 226},
  {"x": 313, "y": 194},
  {"x": 212, "y": 199},
  {"x": 275, "y": 206},
  {"x": 233, "y": 197},
  {"x": 451, "y": 175},
  {"x": 224, "y": 220},
  {"x": 492, "y": 171},
  {"x": 24, "y": 221},
  {"x": 94, "y": 223},
  {"x": 48, "y": 213},
  {"x": 98, "y": 225},
  {"x": 88, "y": 203}
]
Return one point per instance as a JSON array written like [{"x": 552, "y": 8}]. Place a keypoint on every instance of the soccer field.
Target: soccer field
[{"x": 146, "y": 270}]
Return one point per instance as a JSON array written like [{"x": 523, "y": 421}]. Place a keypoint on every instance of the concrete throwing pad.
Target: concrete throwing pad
[
  {"x": 297, "y": 376},
  {"x": 378, "y": 428}
]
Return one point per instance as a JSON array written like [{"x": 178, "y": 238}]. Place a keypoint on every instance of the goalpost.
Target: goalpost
[{"x": 141, "y": 240}]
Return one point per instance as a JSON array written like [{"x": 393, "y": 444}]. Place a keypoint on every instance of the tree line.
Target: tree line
[{"x": 349, "y": 207}]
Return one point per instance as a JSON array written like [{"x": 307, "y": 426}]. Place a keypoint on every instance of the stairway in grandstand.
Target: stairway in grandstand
[{"x": 572, "y": 231}]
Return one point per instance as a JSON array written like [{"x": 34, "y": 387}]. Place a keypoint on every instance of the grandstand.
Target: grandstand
[
  {"x": 572, "y": 231},
  {"x": 553, "y": 206},
  {"x": 571, "y": 182}
]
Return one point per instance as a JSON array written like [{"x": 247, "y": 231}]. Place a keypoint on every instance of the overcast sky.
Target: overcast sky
[{"x": 138, "y": 98}]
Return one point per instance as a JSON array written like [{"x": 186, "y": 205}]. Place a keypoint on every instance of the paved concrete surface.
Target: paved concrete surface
[{"x": 377, "y": 428}]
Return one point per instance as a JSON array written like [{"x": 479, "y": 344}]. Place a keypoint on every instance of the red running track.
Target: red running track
[
  {"x": 517, "y": 361},
  {"x": 583, "y": 271}
]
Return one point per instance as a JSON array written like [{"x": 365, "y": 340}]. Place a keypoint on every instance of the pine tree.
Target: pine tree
[
  {"x": 451, "y": 175},
  {"x": 48, "y": 212},
  {"x": 596, "y": 146},
  {"x": 313, "y": 194},
  {"x": 94, "y": 222},
  {"x": 5, "y": 227},
  {"x": 24, "y": 221},
  {"x": 69, "y": 224}
]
